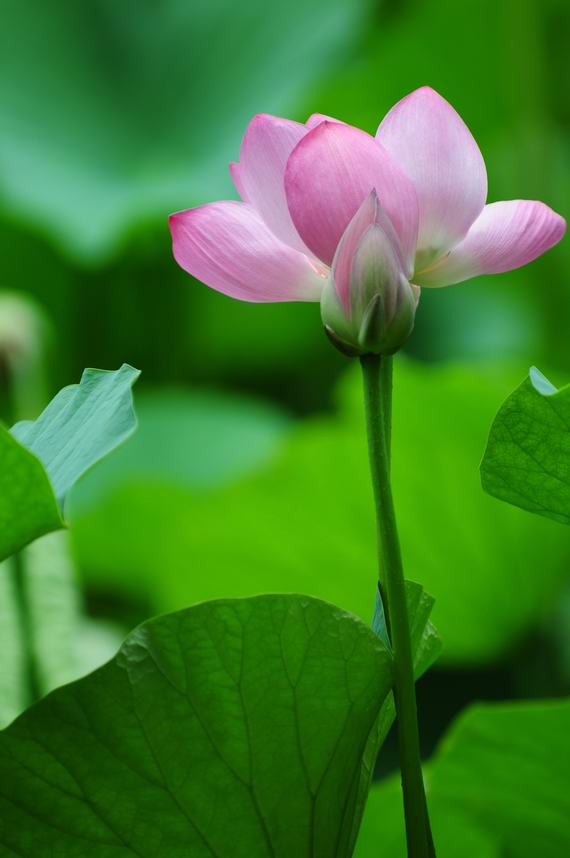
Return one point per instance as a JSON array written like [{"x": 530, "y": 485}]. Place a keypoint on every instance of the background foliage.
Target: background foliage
[{"x": 249, "y": 472}]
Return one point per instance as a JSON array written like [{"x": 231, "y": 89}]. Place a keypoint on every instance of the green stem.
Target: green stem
[
  {"x": 25, "y": 619},
  {"x": 385, "y": 409},
  {"x": 377, "y": 373}
]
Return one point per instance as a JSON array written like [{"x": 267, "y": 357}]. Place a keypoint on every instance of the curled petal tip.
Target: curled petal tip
[
  {"x": 427, "y": 90},
  {"x": 316, "y": 118}
]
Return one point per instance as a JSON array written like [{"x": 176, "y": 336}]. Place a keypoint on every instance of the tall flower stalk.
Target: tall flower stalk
[
  {"x": 361, "y": 224},
  {"x": 377, "y": 377}
]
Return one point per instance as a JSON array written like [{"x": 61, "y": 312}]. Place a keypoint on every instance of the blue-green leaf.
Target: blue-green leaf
[
  {"x": 81, "y": 425},
  {"x": 41, "y": 460}
]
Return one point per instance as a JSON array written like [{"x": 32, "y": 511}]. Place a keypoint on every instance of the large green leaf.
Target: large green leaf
[
  {"x": 233, "y": 728},
  {"x": 40, "y": 460},
  {"x": 305, "y": 521},
  {"x": 527, "y": 460},
  {"x": 155, "y": 106},
  {"x": 28, "y": 507},
  {"x": 498, "y": 785}
]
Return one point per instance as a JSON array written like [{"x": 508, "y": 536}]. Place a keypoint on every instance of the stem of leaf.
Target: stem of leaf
[{"x": 377, "y": 375}]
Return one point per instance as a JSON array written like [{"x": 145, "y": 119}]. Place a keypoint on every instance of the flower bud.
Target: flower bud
[
  {"x": 368, "y": 304},
  {"x": 24, "y": 331}
]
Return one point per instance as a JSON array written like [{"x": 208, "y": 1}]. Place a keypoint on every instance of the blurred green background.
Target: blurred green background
[{"x": 248, "y": 472}]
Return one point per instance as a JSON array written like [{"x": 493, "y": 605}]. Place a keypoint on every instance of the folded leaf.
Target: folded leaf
[
  {"x": 81, "y": 425},
  {"x": 426, "y": 648}
]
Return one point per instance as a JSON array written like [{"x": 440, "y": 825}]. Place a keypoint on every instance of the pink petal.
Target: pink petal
[
  {"x": 368, "y": 215},
  {"x": 316, "y": 119},
  {"x": 328, "y": 176},
  {"x": 266, "y": 146},
  {"x": 433, "y": 145},
  {"x": 236, "y": 179},
  {"x": 229, "y": 247},
  {"x": 506, "y": 235}
]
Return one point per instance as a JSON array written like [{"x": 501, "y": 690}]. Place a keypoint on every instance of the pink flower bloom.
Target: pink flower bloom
[{"x": 302, "y": 186}]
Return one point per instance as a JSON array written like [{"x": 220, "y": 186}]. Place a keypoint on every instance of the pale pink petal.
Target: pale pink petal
[
  {"x": 229, "y": 247},
  {"x": 433, "y": 145},
  {"x": 236, "y": 179},
  {"x": 328, "y": 176},
  {"x": 369, "y": 214},
  {"x": 316, "y": 119},
  {"x": 506, "y": 235},
  {"x": 266, "y": 146}
]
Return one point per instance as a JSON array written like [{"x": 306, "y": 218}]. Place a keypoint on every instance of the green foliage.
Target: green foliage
[
  {"x": 498, "y": 785},
  {"x": 81, "y": 425},
  {"x": 383, "y": 833},
  {"x": 234, "y": 728},
  {"x": 426, "y": 647},
  {"x": 527, "y": 460},
  {"x": 113, "y": 114},
  {"x": 28, "y": 507},
  {"x": 154, "y": 109},
  {"x": 40, "y": 623},
  {"x": 40, "y": 460},
  {"x": 304, "y": 521}
]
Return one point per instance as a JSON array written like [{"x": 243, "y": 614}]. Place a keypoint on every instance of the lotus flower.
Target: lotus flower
[{"x": 304, "y": 186}]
